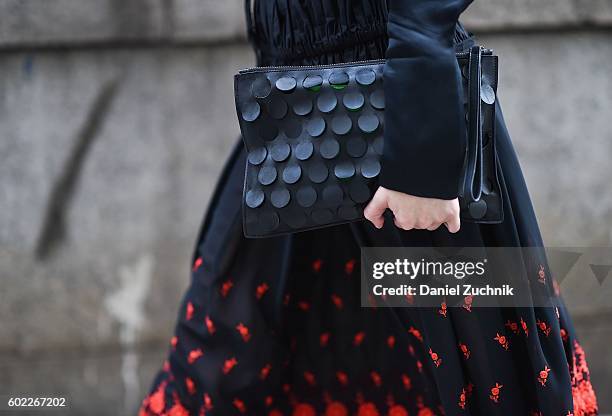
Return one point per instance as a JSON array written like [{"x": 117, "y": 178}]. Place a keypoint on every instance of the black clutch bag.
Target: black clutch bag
[{"x": 314, "y": 138}]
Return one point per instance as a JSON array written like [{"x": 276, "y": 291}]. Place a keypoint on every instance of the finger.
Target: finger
[
  {"x": 453, "y": 224},
  {"x": 433, "y": 227},
  {"x": 375, "y": 209},
  {"x": 404, "y": 222}
]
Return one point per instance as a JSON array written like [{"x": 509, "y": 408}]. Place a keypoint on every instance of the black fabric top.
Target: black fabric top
[{"x": 424, "y": 118}]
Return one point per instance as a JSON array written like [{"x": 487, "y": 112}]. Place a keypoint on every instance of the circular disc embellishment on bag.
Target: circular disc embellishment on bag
[
  {"x": 348, "y": 212},
  {"x": 280, "y": 198},
  {"x": 250, "y": 111},
  {"x": 322, "y": 216},
  {"x": 286, "y": 84},
  {"x": 269, "y": 220},
  {"x": 292, "y": 174},
  {"x": 326, "y": 102},
  {"x": 368, "y": 123},
  {"x": 280, "y": 152},
  {"x": 370, "y": 168},
  {"x": 261, "y": 87},
  {"x": 303, "y": 150},
  {"x": 267, "y": 175},
  {"x": 344, "y": 170},
  {"x": 377, "y": 99},
  {"x": 478, "y": 209},
  {"x": 277, "y": 108},
  {"x": 257, "y": 156},
  {"x": 329, "y": 148},
  {"x": 341, "y": 124},
  {"x": 315, "y": 126},
  {"x": 356, "y": 147},
  {"x": 359, "y": 192},
  {"x": 254, "y": 198},
  {"x": 353, "y": 101},
  {"x": 306, "y": 196},
  {"x": 317, "y": 172},
  {"x": 365, "y": 77},
  {"x": 332, "y": 194},
  {"x": 338, "y": 80},
  {"x": 487, "y": 95},
  {"x": 313, "y": 83},
  {"x": 303, "y": 106}
]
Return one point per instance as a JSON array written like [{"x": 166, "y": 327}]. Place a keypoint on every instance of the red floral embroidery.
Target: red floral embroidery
[
  {"x": 303, "y": 305},
  {"x": 524, "y": 327},
  {"x": 324, "y": 339},
  {"x": 367, "y": 409},
  {"x": 543, "y": 375},
  {"x": 243, "y": 330},
  {"x": 512, "y": 326},
  {"x": 226, "y": 287},
  {"x": 189, "y": 311},
  {"x": 177, "y": 408},
  {"x": 207, "y": 402},
  {"x": 406, "y": 381},
  {"x": 398, "y": 410},
  {"x": 265, "y": 371},
  {"x": 336, "y": 409},
  {"x": 304, "y": 409},
  {"x": 209, "y": 325},
  {"x": 342, "y": 377},
  {"x": 419, "y": 365},
  {"x": 415, "y": 333},
  {"x": 269, "y": 400},
  {"x": 503, "y": 341},
  {"x": 157, "y": 400},
  {"x": 190, "y": 386},
  {"x": 435, "y": 358},
  {"x": 391, "y": 341},
  {"x": 337, "y": 301},
  {"x": 349, "y": 266},
  {"x": 239, "y": 405},
  {"x": 275, "y": 412},
  {"x": 194, "y": 355},
  {"x": 426, "y": 411},
  {"x": 544, "y": 327},
  {"x": 197, "y": 263},
  {"x": 173, "y": 342},
  {"x": 358, "y": 339},
  {"x": 228, "y": 365},
  {"x": 585, "y": 401},
  {"x": 465, "y": 350},
  {"x": 443, "y": 309},
  {"x": 495, "y": 392},
  {"x": 462, "y": 399},
  {"x": 564, "y": 336},
  {"x": 261, "y": 290},
  {"x": 316, "y": 265},
  {"x": 310, "y": 378},
  {"x": 542, "y": 275},
  {"x": 376, "y": 379}
]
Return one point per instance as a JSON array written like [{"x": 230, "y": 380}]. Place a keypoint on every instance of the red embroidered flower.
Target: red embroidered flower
[
  {"x": 406, "y": 381},
  {"x": 443, "y": 309},
  {"x": 226, "y": 287},
  {"x": 265, "y": 371},
  {"x": 209, "y": 325},
  {"x": 190, "y": 385},
  {"x": 194, "y": 355},
  {"x": 243, "y": 331},
  {"x": 544, "y": 327},
  {"x": 415, "y": 333},
  {"x": 376, "y": 379},
  {"x": 391, "y": 341},
  {"x": 495, "y": 392},
  {"x": 342, "y": 377},
  {"x": 367, "y": 409},
  {"x": 304, "y": 409},
  {"x": 349, "y": 266},
  {"x": 207, "y": 402},
  {"x": 316, "y": 265},
  {"x": 303, "y": 305},
  {"x": 157, "y": 401},
  {"x": 261, "y": 290},
  {"x": 173, "y": 342},
  {"x": 435, "y": 358},
  {"x": 564, "y": 335},
  {"x": 189, "y": 311},
  {"x": 337, "y": 301},
  {"x": 269, "y": 400},
  {"x": 462, "y": 399},
  {"x": 419, "y": 365},
  {"x": 503, "y": 341},
  {"x": 398, "y": 410},
  {"x": 197, "y": 263},
  {"x": 228, "y": 365},
  {"x": 543, "y": 375},
  {"x": 239, "y": 405},
  {"x": 323, "y": 339},
  {"x": 425, "y": 411},
  {"x": 275, "y": 412},
  {"x": 465, "y": 350},
  {"x": 467, "y": 303},
  {"x": 358, "y": 339},
  {"x": 336, "y": 409},
  {"x": 513, "y": 326},
  {"x": 310, "y": 378},
  {"x": 524, "y": 327},
  {"x": 177, "y": 409}
]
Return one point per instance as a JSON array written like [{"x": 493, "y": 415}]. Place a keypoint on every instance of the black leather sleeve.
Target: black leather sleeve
[{"x": 425, "y": 133}]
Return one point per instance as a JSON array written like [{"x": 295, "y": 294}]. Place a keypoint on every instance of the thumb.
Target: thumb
[
  {"x": 453, "y": 224},
  {"x": 375, "y": 209}
]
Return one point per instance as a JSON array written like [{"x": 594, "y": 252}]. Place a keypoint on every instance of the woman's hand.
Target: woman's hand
[{"x": 413, "y": 212}]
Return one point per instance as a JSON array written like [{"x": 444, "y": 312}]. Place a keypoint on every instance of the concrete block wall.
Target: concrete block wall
[{"x": 116, "y": 118}]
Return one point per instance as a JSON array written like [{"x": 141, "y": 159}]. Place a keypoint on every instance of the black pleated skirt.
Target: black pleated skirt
[{"x": 274, "y": 326}]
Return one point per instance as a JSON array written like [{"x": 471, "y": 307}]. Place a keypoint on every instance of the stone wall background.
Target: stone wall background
[{"x": 116, "y": 118}]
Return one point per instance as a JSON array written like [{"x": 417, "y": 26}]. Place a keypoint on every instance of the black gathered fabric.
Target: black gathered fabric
[{"x": 274, "y": 326}]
